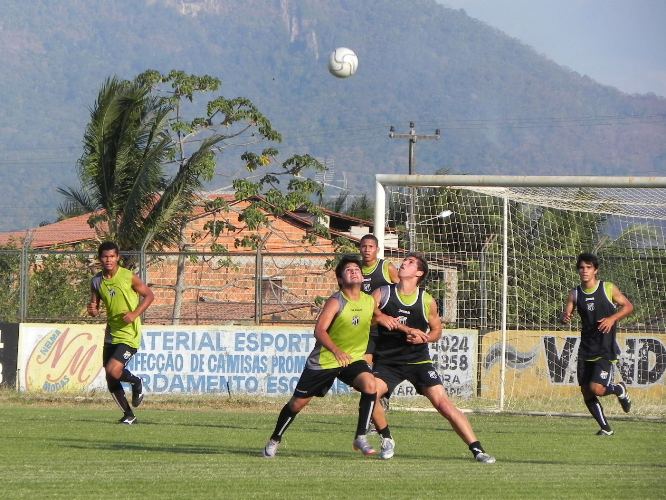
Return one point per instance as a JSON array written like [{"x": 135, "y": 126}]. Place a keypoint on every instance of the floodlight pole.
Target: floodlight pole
[{"x": 413, "y": 137}]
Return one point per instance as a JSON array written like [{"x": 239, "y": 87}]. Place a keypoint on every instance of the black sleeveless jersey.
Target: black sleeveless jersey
[
  {"x": 374, "y": 278},
  {"x": 392, "y": 347},
  {"x": 592, "y": 307}
]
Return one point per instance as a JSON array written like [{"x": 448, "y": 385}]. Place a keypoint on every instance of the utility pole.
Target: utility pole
[{"x": 413, "y": 137}]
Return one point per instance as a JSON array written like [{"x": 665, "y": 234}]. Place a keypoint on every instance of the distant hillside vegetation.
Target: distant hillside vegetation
[{"x": 501, "y": 107}]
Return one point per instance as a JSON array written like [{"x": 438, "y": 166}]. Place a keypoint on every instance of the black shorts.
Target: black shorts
[
  {"x": 121, "y": 352},
  {"x": 600, "y": 371},
  {"x": 420, "y": 375},
  {"x": 319, "y": 382}
]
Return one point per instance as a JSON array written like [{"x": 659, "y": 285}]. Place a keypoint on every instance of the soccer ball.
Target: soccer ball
[{"x": 343, "y": 62}]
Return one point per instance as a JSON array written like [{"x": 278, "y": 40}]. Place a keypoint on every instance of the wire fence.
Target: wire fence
[{"x": 190, "y": 288}]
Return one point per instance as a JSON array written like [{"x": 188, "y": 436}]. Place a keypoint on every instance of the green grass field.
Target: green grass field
[{"x": 203, "y": 449}]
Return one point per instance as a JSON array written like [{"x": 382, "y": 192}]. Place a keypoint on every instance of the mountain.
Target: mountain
[{"x": 501, "y": 107}]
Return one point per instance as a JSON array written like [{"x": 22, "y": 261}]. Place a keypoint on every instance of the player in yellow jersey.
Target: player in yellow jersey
[
  {"x": 402, "y": 353},
  {"x": 125, "y": 298},
  {"x": 341, "y": 335}
]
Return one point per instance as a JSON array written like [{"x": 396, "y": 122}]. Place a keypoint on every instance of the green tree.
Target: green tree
[
  {"x": 10, "y": 266},
  {"x": 149, "y": 148},
  {"x": 59, "y": 288}
]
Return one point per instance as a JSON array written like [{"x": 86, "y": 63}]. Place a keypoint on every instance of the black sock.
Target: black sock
[
  {"x": 128, "y": 377},
  {"x": 614, "y": 389},
  {"x": 597, "y": 412},
  {"x": 118, "y": 393},
  {"x": 365, "y": 407},
  {"x": 385, "y": 433},
  {"x": 476, "y": 448},
  {"x": 285, "y": 418}
]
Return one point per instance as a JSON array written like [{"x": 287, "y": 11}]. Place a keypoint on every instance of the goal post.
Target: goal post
[{"x": 502, "y": 252}]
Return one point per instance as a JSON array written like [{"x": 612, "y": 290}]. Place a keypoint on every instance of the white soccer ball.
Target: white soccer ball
[{"x": 343, "y": 62}]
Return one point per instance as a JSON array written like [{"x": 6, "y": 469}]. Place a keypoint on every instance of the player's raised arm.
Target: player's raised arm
[{"x": 393, "y": 273}]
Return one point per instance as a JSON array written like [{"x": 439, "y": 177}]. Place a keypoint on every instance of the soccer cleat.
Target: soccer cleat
[
  {"x": 137, "y": 394},
  {"x": 270, "y": 449},
  {"x": 361, "y": 444},
  {"x": 128, "y": 420},
  {"x": 388, "y": 449},
  {"x": 484, "y": 458},
  {"x": 602, "y": 432},
  {"x": 624, "y": 399}
]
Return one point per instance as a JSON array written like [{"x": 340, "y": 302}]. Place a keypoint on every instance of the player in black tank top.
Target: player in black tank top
[
  {"x": 408, "y": 320},
  {"x": 600, "y": 306}
]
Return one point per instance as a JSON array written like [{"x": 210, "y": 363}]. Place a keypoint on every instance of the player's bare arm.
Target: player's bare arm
[
  {"x": 416, "y": 336},
  {"x": 324, "y": 321},
  {"x": 378, "y": 317},
  {"x": 393, "y": 273},
  {"x": 147, "y": 298},
  {"x": 624, "y": 309},
  {"x": 93, "y": 305},
  {"x": 568, "y": 308}
]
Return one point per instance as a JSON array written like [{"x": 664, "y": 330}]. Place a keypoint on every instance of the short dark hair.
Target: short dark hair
[
  {"x": 588, "y": 258},
  {"x": 107, "y": 245},
  {"x": 369, "y": 236},
  {"x": 422, "y": 264},
  {"x": 344, "y": 260}
]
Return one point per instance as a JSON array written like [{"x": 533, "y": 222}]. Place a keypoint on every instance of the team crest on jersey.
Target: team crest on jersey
[
  {"x": 402, "y": 320},
  {"x": 604, "y": 375},
  {"x": 112, "y": 292},
  {"x": 366, "y": 287},
  {"x": 590, "y": 306},
  {"x": 356, "y": 320},
  {"x": 432, "y": 374},
  {"x": 127, "y": 355}
]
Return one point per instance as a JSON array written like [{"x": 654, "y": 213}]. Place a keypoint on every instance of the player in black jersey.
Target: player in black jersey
[
  {"x": 376, "y": 273},
  {"x": 402, "y": 353},
  {"x": 600, "y": 306}
]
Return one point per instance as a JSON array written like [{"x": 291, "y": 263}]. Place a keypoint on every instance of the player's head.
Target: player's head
[
  {"x": 587, "y": 258},
  {"x": 106, "y": 246},
  {"x": 418, "y": 260},
  {"x": 353, "y": 263},
  {"x": 369, "y": 246}
]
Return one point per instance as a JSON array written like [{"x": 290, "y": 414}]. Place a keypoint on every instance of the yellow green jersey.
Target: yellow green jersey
[
  {"x": 119, "y": 298},
  {"x": 349, "y": 330}
]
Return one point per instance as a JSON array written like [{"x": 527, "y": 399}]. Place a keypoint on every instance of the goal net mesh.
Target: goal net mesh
[{"x": 461, "y": 231}]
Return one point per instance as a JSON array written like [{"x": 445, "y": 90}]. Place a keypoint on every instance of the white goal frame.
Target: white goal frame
[{"x": 498, "y": 181}]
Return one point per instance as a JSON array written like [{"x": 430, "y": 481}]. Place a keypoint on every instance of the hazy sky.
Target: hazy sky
[{"x": 615, "y": 42}]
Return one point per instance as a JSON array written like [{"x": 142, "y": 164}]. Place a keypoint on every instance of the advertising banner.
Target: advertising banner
[
  {"x": 60, "y": 358},
  {"x": 454, "y": 358},
  {"x": 205, "y": 359},
  {"x": 549, "y": 359},
  {"x": 171, "y": 359},
  {"x": 9, "y": 333}
]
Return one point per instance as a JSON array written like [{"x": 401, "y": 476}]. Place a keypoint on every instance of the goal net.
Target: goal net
[{"x": 502, "y": 252}]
